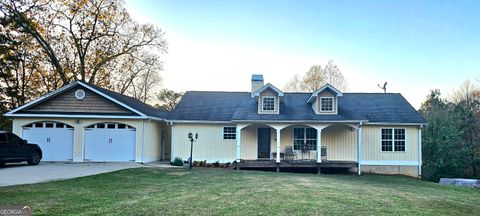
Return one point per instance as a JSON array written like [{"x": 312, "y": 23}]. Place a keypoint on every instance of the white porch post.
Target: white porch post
[
  {"x": 319, "y": 145},
  {"x": 420, "y": 151},
  {"x": 359, "y": 148},
  {"x": 278, "y": 145},
  {"x": 239, "y": 136}
]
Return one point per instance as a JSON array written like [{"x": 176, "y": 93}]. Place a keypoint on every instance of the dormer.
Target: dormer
[
  {"x": 269, "y": 98},
  {"x": 325, "y": 100}
]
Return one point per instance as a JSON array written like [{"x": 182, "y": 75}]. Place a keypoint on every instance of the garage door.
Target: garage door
[
  {"x": 54, "y": 138},
  {"x": 110, "y": 142}
]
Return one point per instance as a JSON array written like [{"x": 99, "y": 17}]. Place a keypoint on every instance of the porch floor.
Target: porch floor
[{"x": 295, "y": 164}]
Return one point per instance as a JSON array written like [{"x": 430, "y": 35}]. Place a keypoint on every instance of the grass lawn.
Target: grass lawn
[{"x": 150, "y": 191}]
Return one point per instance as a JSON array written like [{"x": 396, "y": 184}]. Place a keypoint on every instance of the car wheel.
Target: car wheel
[{"x": 35, "y": 159}]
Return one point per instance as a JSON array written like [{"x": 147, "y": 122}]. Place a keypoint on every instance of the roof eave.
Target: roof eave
[
  {"x": 40, "y": 99},
  {"x": 266, "y": 86}
]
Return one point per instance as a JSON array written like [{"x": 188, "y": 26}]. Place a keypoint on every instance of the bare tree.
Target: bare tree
[
  {"x": 316, "y": 77},
  {"x": 87, "y": 40},
  {"x": 168, "y": 99},
  {"x": 464, "y": 93}
]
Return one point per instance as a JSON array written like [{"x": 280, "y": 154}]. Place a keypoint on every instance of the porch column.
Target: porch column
[
  {"x": 420, "y": 151},
  {"x": 319, "y": 145},
  {"x": 278, "y": 145},
  {"x": 239, "y": 136},
  {"x": 359, "y": 148}
]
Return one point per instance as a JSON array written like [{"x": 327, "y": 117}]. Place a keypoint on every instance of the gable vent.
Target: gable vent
[{"x": 79, "y": 94}]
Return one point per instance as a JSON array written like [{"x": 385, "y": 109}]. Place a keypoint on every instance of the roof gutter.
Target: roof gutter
[
  {"x": 298, "y": 121},
  {"x": 74, "y": 116},
  {"x": 395, "y": 123}
]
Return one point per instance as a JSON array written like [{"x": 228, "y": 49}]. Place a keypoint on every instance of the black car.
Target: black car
[{"x": 16, "y": 149}]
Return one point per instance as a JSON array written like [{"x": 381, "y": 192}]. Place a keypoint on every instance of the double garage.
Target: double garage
[
  {"x": 82, "y": 122},
  {"x": 106, "y": 141}
]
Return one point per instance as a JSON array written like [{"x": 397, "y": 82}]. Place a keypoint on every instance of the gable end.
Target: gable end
[{"x": 69, "y": 102}]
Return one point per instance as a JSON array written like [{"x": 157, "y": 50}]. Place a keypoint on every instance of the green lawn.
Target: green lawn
[{"x": 150, "y": 191}]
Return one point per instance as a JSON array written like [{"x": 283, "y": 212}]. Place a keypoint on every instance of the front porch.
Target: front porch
[
  {"x": 295, "y": 145},
  {"x": 295, "y": 164}
]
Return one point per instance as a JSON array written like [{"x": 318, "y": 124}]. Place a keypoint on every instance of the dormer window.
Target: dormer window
[
  {"x": 325, "y": 100},
  {"x": 269, "y": 98},
  {"x": 268, "y": 103},
  {"x": 326, "y": 104}
]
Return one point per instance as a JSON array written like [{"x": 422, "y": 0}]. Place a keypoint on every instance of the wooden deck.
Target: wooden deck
[{"x": 295, "y": 164}]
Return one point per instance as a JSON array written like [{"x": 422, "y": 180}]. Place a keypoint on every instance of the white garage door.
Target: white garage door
[
  {"x": 110, "y": 142},
  {"x": 54, "y": 138}
]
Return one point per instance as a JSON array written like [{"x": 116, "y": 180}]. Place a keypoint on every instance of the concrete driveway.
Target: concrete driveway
[{"x": 17, "y": 174}]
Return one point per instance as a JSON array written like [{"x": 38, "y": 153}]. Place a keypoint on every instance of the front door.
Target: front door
[{"x": 263, "y": 138}]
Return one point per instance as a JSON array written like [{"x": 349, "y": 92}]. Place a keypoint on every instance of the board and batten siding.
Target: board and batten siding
[
  {"x": 339, "y": 140},
  {"x": 152, "y": 148},
  {"x": 210, "y": 145},
  {"x": 372, "y": 144},
  {"x": 149, "y": 148}
]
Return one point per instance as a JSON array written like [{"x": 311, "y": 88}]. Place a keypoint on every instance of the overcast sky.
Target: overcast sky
[{"x": 414, "y": 45}]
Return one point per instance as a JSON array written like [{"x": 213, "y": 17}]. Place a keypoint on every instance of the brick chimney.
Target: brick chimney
[{"x": 257, "y": 82}]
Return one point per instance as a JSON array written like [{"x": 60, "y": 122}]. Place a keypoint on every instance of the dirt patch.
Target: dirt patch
[
  {"x": 305, "y": 182},
  {"x": 177, "y": 173}
]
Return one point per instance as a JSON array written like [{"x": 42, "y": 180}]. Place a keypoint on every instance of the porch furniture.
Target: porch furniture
[
  {"x": 324, "y": 151},
  {"x": 289, "y": 153},
  {"x": 282, "y": 155}
]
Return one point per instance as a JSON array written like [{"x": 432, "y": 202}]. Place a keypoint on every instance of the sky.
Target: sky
[{"x": 413, "y": 45}]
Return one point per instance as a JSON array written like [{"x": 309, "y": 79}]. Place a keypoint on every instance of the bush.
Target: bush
[
  {"x": 216, "y": 164},
  {"x": 177, "y": 162}
]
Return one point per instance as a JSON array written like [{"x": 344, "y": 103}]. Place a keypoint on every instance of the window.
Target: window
[
  {"x": 3, "y": 139},
  {"x": 268, "y": 103},
  {"x": 304, "y": 139},
  {"x": 393, "y": 140},
  {"x": 229, "y": 133},
  {"x": 14, "y": 139},
  {"x": 326, "y": 104}
]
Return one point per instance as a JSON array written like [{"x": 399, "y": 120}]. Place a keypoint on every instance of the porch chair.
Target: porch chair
[{"x": 289, "y": 153}]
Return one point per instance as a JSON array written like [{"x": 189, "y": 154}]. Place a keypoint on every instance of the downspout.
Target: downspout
[
  {"x": 172, "y": 143},
  {"x": 143, "y": 138},
  {"x": 359, "y": 148},
  {"x": 420, "y": 150}
]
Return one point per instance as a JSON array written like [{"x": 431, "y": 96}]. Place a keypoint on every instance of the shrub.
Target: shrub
[
  {"x": 216, "y": 164},
  {"x": 177, "y": 162}
]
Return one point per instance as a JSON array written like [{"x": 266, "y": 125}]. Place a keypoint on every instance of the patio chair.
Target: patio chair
[{"x": 289, "y": 153}]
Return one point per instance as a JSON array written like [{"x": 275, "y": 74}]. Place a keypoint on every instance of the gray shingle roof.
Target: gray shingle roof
[
  {"x": 132, "y": 102},
  {"x": 239, "y": 106}
]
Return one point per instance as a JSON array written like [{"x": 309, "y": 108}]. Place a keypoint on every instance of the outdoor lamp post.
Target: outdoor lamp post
[{"x": 190, "y": 137}]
